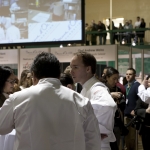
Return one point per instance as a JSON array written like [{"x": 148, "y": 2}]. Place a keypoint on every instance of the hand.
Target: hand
[
  {"x": 148, "y": 110},
  {"x": 145, "y": 82},
  {"x": 103, "y": 136},
  {"x": 116, "y": 95},
  {"x": 132, "y": 113}
]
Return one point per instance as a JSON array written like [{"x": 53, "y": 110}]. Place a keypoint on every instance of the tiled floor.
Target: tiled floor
[{"x": 139, "y": 143}]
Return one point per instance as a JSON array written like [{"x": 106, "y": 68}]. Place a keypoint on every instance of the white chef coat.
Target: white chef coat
[
  {"x": 104, "y": 108},
  {"x": 14, "y": 6},
  {"x": 2, "y": 34},
  {"x": 12, "y": 33},
  {"x": 7, "y": 141},
  {"x": 49, "y": 116},
  {"x": 144, "y": 93}
]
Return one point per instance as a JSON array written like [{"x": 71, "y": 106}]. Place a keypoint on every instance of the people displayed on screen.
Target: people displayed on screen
[
  {"x": 8, "y": 29},
  {"x": 14, "y": 6},
  {"x": 2, "y": 33}
]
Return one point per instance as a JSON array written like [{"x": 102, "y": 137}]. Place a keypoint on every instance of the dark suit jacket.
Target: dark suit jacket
[
  {"x": 2, "y": 99},
  {"x": 140, "y": 111}
]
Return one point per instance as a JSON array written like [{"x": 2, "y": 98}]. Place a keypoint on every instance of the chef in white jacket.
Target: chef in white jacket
[
  {"x": 83, "y": 68},
  {"x": 2, "y": 33},
  {"x": 144, "y": 90},
  {"x": 49, "y": 116}
]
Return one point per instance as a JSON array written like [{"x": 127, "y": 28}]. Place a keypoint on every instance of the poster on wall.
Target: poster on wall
[
  {"x": 101, "y": 53},
  {"x": 9, "y": 58},
  {"x": 27, "y": 56}
]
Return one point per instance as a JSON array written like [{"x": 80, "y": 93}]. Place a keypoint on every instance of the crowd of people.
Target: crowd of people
[
  {"x": 122, "y": 36},
  {"x": 75, "y": 109}
]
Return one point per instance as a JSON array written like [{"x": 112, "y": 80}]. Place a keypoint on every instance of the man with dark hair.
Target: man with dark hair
[
  {"x": 66, "y": 80},
  {"x": 49, "y": 116},
  {"x": 83, "y": 68},
  {"x": 131, "y": 98}
]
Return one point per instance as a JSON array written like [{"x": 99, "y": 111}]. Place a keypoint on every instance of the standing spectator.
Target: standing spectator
[
  {"x": 130, "y": 24},
  {"x": 26, "y": 79},
  {"x": 88, "y": 36},
  {"x": 112, "y": 34},
  {"x": 131, "y": 98},
  {"x": 142, "y": 33},
  {"x": 128, "y": 33},
  {"x": 67, "y": 81},
  {"x": 137, "y": 26},
  {"x": 144, "y": 90},
  {"x": 7, "y": 81},
  {"x": 102, "y": 36},
  {"x": 120, "y": 35},
  {"x": 111, "y": 78},
  {"x": 49, "y": 112},
  {"x": 83, "y": 70},
  {"x": 131, "y": 27},
  {"x": 142, "y": 110},
  {"x": 93, "y": 35}
]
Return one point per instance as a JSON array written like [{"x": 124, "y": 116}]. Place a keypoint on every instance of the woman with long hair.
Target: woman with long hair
[
  {"x": 7, "y": 80},
  {"x": 111, "y": 79},
  {"x": 26, "y": 79}
]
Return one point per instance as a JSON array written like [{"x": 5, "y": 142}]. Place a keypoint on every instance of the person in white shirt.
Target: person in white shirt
[
  {"x": 83, "y": 68},
  {"x": 2, "y": 33},
  {"x": 137, "y": 23},
  {"x": 12, "y": 32},
  {"x": 14, "y": 6},
  {"x": 49, "y": 116},
  {"x": 144, "y": 90},
  {"x": 137, "y": 26}
]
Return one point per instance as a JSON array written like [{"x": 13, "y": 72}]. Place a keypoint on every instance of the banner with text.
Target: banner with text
[
  {"x": 27, "y": 56},
  {"x": 101, "y": 53},
  {"x": 8, "y": 57}
]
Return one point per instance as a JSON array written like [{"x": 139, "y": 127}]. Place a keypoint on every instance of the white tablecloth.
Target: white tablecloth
[{"x": 7, "y": 141}]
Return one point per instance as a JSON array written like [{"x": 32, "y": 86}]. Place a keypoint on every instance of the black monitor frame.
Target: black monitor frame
[{"x": 49, "y": 43}]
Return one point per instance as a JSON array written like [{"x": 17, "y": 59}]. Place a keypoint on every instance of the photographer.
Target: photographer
[
  {"x": 142, "y": 111},
  {"x": 111, "y": 78}
]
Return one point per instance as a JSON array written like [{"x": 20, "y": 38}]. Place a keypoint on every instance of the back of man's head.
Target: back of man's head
[
  {"x": 66, "y": 80},
  {"x": 46, "y": 65}
]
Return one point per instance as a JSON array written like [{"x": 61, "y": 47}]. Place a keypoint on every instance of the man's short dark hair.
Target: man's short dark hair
[
  {"x": 134, "y": 72},
  {"x": 46, "y": 65},
  {"x": 138, "y": 17},
  {"x": 66, "y": 79},
  {"x": 88, "y": 60}
]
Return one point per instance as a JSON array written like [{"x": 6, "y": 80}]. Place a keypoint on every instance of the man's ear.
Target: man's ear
[
  {"x": 88, "y": 69},
  {"x": 70, "y": 86},
  {"x": 34, "y": 79}
]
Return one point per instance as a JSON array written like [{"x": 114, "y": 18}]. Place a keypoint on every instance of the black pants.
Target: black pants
[
  {"x": 114, "y": 146},
  {"x": 146, "y": 138}
]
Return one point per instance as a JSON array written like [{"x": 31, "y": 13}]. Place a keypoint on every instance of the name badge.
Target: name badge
[{"x": 126, "y": 101}]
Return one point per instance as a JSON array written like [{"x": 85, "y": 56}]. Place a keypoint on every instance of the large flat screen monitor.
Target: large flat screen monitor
[{"x": 24, "y": 22}]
